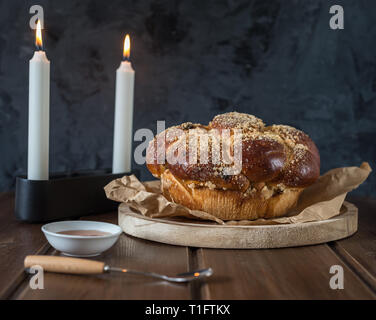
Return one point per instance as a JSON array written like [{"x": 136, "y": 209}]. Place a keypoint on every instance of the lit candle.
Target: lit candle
[
  {"x": 39, "y": 112},
  {"x": 122, "y": 153}
]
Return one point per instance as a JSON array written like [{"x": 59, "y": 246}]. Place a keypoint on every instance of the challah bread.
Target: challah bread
[{"x": 277, "y": 163}]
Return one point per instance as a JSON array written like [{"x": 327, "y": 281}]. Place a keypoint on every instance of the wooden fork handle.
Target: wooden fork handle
[{"x": 65, "y": 264}]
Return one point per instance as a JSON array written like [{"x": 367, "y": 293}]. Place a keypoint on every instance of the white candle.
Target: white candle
[
  {"x": 122, "y": 152},
  {"x": 39, "y": 112}
]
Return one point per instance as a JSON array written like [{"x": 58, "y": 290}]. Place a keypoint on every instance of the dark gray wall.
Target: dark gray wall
[{"x": 276, "y": 59}]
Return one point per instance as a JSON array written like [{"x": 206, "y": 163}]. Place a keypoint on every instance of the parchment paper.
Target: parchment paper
[{"x": 320, "y": 201}]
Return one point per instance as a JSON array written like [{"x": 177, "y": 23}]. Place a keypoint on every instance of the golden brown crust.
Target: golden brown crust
[
  {"x": 275, "y": 154},
  {"x": 229, "y": 204},
  {"x": 278, "y": 162}
]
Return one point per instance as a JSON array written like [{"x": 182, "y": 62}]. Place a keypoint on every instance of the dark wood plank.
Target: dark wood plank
[
  {"x": 16, "y": 241},
  {"x": 359, "y": 251},
  {"x": 289, "y": 273},
  {"x": 128, "y": 252}
]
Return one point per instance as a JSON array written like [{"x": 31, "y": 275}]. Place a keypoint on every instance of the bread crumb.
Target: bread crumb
[{"x": 210, "y": 185}]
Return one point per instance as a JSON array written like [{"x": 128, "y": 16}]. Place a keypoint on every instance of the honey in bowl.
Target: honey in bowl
[{"x": 87, "y": 233}]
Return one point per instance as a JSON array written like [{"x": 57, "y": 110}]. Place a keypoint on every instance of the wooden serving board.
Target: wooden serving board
[{"x": 204, "y": 234}]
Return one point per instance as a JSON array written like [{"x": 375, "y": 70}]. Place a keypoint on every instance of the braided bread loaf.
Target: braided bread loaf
[{"x": 277, "y": 163}]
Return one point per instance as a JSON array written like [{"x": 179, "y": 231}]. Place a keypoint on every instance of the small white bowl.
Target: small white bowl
[{"x": 81, "y": 246}]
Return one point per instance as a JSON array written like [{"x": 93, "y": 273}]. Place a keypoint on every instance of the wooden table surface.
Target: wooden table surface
[{"x": 289, "y": 273}]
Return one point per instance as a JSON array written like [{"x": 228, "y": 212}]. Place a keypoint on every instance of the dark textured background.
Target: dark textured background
[{"x": 276, "y": 59}]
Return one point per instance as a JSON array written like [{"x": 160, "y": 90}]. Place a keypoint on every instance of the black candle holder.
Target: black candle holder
[{"x": 64, "y": 196}]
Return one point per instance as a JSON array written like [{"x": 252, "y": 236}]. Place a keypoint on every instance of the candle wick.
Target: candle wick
[
  {"x": 126, "y": 59},
  {"x": 39, "y": 47}
]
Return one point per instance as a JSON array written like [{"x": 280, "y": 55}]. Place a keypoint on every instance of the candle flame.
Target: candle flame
[
  {"x": 127, "y": 48},
  {"x": 38, "y": 36}
]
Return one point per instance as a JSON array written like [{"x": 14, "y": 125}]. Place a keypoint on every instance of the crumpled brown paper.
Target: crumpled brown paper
[{"x": 320, "y": 201}]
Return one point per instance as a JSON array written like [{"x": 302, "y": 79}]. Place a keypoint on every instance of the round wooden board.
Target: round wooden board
[{"x": 211, "y": 235}]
